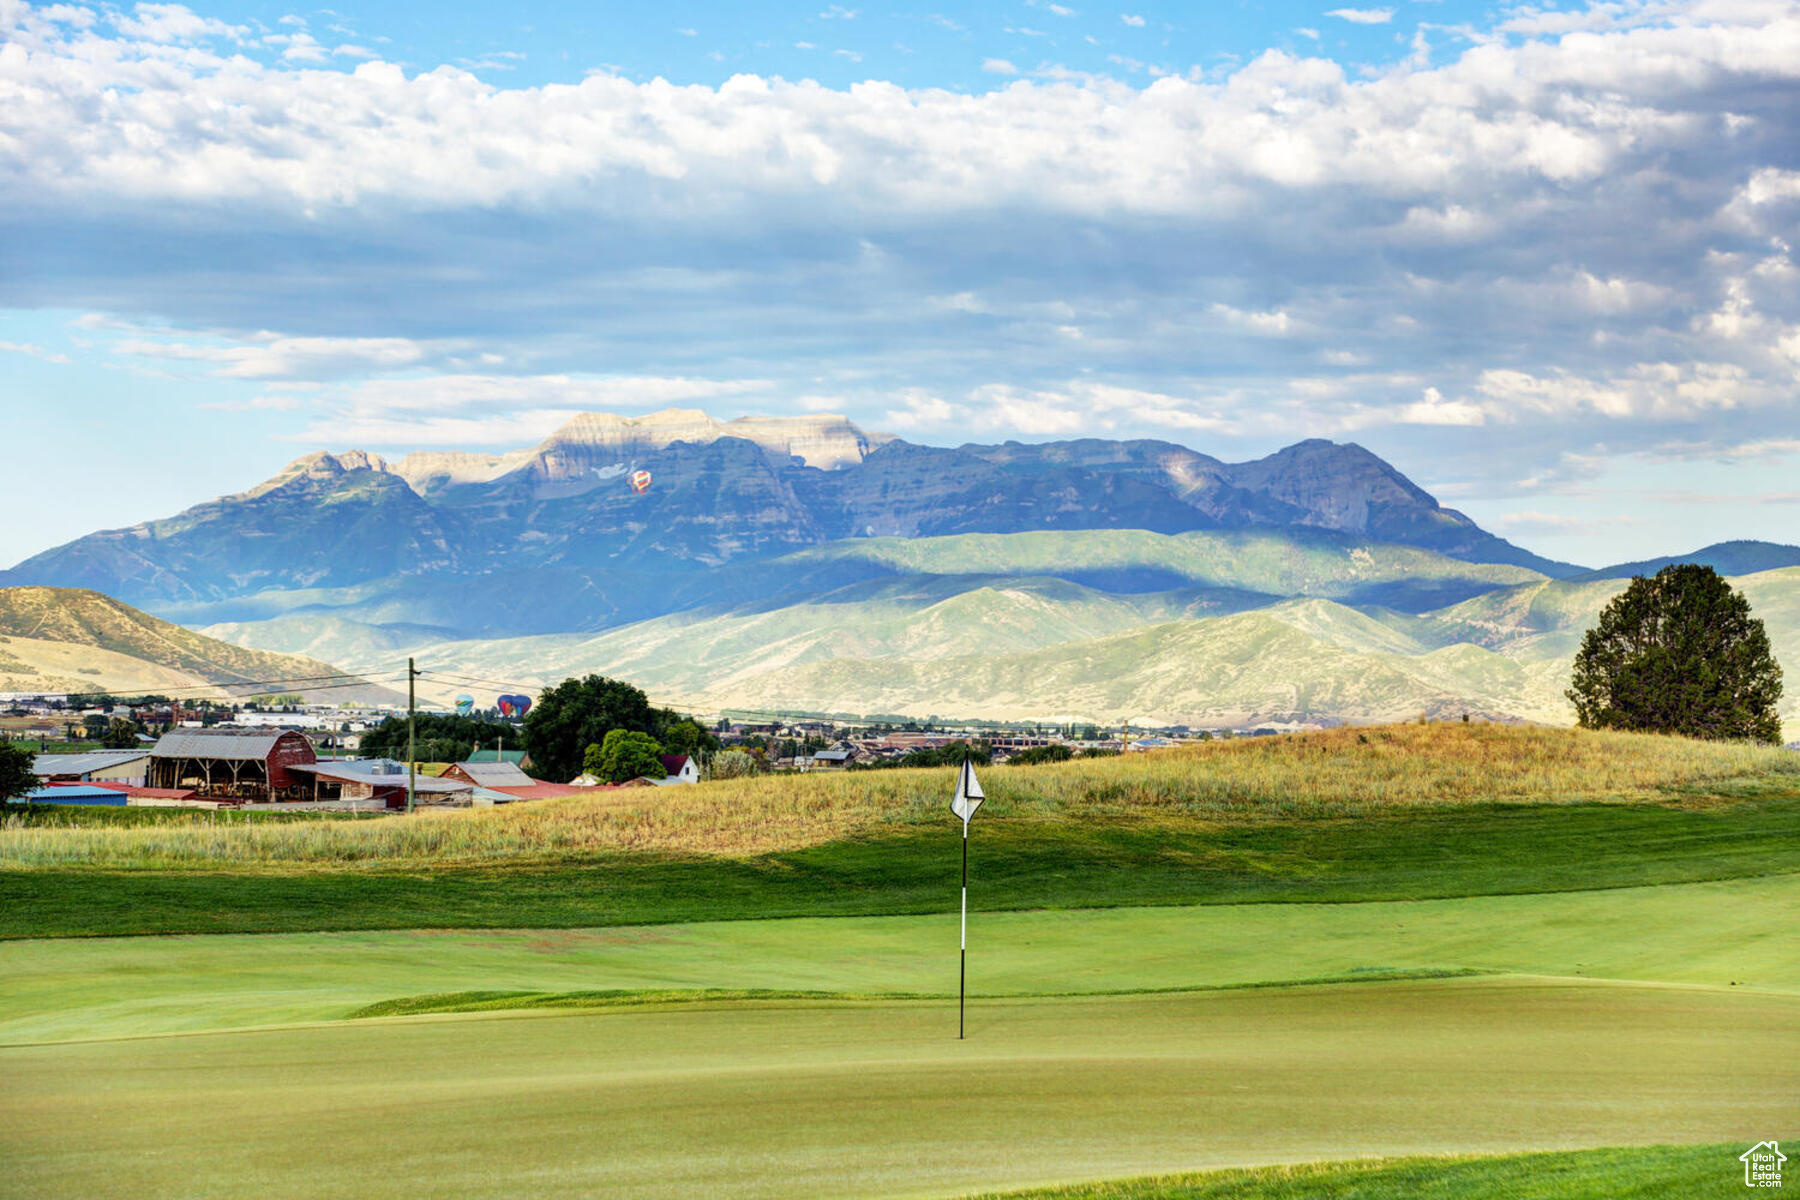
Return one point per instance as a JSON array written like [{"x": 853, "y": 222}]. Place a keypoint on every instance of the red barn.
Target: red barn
[{"x": 250, "y": 765}]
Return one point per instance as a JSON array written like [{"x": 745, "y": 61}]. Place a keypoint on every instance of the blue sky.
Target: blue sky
[{"x": 1540, "y": 258}]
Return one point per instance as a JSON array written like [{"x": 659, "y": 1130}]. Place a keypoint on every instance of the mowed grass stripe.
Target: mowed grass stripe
[
  {"x": 1711, "y": 934},
  {"x": 1614, "y": 1173},
  {"x": 468, "y": 1002},
  {"x": 1017, "y": 862},
  {"x": 873, "y": 1100}
]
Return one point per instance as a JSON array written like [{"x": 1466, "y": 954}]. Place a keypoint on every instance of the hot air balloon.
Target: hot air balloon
[
  {"x": 465, "y": 705},
  {"x": 640, "y": 482},
  {"x": 515, "y": 706}
]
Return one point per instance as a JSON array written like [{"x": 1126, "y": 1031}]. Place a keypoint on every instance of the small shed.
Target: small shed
[
  {"x": 251, "y": 765},
  {"x": 494, "y": 775},
  {"x": 679, "y": 768}
]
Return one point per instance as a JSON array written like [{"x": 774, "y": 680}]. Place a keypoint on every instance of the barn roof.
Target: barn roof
[{"x": 246, "y": 745}]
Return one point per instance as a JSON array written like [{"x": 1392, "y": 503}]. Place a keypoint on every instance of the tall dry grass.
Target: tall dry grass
[{"x": 1338, "y": 773}]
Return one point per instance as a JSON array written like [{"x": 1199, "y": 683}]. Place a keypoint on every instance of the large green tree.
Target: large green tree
[
  {"x": 1679, "y": 653},
  {"x": 624, "y": 755},
  {"x": 16, "y": 779},
  {"x": 578, "y": 713}
]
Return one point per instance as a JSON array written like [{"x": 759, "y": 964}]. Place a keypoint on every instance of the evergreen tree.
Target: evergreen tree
[
  {"x": 16, "y": 779},
  {"x": 1679, "y": 653}
]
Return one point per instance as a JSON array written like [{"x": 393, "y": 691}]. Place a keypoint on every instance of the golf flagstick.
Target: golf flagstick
[{"x": 967, "y": 799}]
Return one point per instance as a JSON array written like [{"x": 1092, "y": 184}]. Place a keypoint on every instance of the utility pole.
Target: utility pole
[{"x": 412, "y": 755}]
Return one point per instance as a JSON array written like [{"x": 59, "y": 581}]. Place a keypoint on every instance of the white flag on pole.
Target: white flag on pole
[{"x": 968, "y": 795}]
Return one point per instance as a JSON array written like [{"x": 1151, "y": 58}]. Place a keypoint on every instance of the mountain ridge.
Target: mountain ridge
[{"x": 562, "y": 516}]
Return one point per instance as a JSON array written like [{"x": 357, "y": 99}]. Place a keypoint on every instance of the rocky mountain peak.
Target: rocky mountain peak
[
  {"x": 320, "y": 465},
  {"x": 825, "y": 440}
]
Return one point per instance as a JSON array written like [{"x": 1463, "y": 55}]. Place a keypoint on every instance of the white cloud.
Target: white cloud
[
  {"x": 1583, "y": 231},
  {"x": 391, "y": 398},
  {"x": 1132, "y": 19},
  {"x": 172, "y": 23},
  {"x": 33, "y": 350},
  {"x": 1273, "y": 323},
  {"x": 1657, "y": 391},
  {"x": 1363, "y": 16},
  {"x": 272, "y": 357},
  {"x": 1532, "y": 521}
]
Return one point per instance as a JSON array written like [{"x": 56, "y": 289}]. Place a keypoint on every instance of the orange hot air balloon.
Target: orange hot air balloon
[{"x": 640, "y": 482}]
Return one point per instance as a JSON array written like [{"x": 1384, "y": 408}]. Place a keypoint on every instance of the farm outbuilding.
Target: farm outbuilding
[
  {"x": 249, "y": 765},
  {"x": 489, "y": 774}
]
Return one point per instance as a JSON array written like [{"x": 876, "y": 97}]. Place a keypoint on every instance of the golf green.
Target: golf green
[{"x": 879, "y": 1099}]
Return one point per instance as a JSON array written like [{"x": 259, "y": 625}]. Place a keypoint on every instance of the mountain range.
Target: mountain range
[
  {"x": 555, "y": 538},
  {"x": 803, "y": 564}
]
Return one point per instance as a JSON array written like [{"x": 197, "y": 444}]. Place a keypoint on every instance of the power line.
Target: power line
[{"x": 445, "y": 677}]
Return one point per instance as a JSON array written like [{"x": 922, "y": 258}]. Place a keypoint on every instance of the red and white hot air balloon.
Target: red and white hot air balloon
[{"x": 640, "y": 482}]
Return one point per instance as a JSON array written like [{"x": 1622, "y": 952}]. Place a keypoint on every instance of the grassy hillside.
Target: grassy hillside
[
  {"x": 1330, "y": 775},
  {"x": 1288, "y": 564},
  {"x": 1223, "y": 647},
  {"x": 66, "y": 639}
]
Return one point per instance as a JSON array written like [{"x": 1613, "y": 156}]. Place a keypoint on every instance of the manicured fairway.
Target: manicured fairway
[
  {"x": 1720, "y": 934},
  {"x": 837, "y": 1099}
]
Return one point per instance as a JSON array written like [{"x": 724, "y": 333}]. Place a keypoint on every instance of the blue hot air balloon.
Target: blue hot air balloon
[
  {"x": 465, "y": 705},
  {"x": 514, "y": 706}
]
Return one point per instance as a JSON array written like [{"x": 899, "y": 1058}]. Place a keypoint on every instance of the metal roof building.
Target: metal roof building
[
  {"x": 125, "y": 766},
  {"x": 490, "y": 774},
  {"x": 233, "y": 764}
]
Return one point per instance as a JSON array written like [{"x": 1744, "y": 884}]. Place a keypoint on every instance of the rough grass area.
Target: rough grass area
[
  {"x": 1635, "y": 1173},
  {"x": 1333, "y": 774}
]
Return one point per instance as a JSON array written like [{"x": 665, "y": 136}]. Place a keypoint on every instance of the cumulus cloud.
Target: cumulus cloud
[
  {"x": 166, "y": 23},
  {"x": 273, "y": 357},
  {"x": 1574, "y": 232}
]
